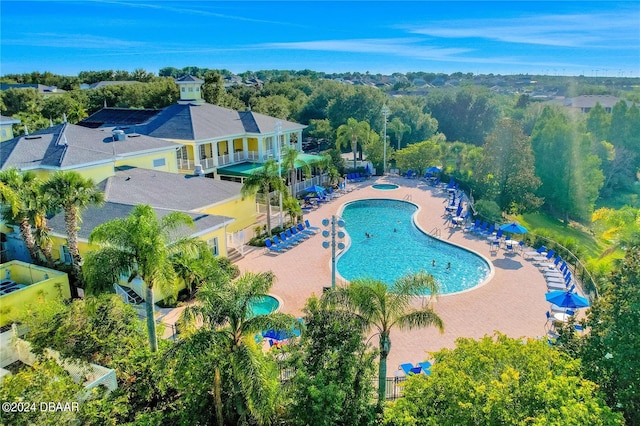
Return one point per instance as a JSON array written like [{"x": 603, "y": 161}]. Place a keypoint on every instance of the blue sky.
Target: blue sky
[{"x": 565, "y": 38}]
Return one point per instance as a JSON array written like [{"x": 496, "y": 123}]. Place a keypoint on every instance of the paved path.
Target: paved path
[{"x": 512, "y": 301}]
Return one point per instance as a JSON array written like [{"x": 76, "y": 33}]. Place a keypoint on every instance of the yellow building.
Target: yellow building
[
  {"x": 6, "y": 127},
  {"x": 23, "y": 284}
]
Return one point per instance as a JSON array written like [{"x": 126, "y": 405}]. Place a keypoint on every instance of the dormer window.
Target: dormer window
[{"x": 182, "y": 89}]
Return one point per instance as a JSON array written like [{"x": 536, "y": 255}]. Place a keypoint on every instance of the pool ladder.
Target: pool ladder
[{"x": 435, "y": 232}]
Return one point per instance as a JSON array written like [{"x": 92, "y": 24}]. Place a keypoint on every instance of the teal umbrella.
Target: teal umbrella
[
  {"x": 514, "y": 228},
  {"x": 566, "y": 299}
]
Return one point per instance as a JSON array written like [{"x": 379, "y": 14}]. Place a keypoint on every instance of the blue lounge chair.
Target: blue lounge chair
[
  {"x": 309, "y": 232},
  {"x": 280, "y": 243},
  {"x": 426, "y": 367},
  {"x": 409, "y": 369},
  {"x": 473, "y": 227},
  {"x": 299, "y": 235},
  {"x": 271, "y": 247},
  {"x": 287, "y": 240},
  {"x": 313, "y": 228}
]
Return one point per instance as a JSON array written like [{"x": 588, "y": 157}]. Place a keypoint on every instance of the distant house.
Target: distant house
[
  {"x": 6, "y": 127},
  {"x": 106, "y": 83},
  {"x": 584, "y": 103},
  {"x": 41, "y": 88}
]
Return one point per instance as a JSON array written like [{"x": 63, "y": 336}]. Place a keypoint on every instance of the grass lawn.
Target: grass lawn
[{"x": 558, "y": 231}]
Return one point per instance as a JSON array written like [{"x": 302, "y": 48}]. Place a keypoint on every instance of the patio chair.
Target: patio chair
[
  {"x": 473, "y": 226},
  {"x": 282, "y": 243},
  {"x": 309, "y": 232},
  {"x": 426, "y": 367},
  {"x": 274, "y": 248},
  {"x": 313, "y": 228},
  {"x": 286, "y": 239},
  {"x": 409, "y": 369},
  {"x": 296, "y": 234}
]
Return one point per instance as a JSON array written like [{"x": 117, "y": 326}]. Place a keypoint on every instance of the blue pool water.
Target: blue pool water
[
  {"x": 263, "y": 305},
  {"x": 385, "y": 186},
  {"x": 397, "y": 247}
]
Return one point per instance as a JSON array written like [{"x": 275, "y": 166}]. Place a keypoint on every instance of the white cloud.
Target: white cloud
[
  {"x": 72, "y": 41},
  {"x": 572, "y": 30}
]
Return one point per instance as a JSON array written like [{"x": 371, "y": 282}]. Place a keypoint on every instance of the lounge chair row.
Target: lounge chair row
[
  {"x": 291, "y": 237},
  {"x": 357, "y": 177}
]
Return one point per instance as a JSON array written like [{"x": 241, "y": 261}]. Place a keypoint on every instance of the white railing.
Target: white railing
[
  {"x": 253, "y": 156},
  {"x": 236, "y": 241},
  {"x": 123, "y": 295},
  {"x": 239, "y": 156},
  {"x": 224, "y": 159},
  {"x": 207, "y": 163},
  {"x": 186, "y": 164}
]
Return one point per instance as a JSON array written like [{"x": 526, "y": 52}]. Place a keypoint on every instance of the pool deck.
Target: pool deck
[{"x": 511, "y": 302}]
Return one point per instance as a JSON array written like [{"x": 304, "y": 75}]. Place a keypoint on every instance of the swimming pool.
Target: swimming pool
[
  {"x": 263, "y": 305},
  {"x": 396, "y": 247},
  {"x": 385, "y": 186}
]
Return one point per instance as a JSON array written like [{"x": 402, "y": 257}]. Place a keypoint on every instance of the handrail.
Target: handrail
[
  {"x": 120, "y": 292},
  {"x": 408, "y": 197},
  {"x": 435, "y": 232}
]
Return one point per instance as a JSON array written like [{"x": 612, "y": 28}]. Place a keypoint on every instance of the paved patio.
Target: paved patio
[{"x": 512, "y": 301}]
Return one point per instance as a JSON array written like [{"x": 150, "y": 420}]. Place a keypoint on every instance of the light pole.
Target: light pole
[
  {"x": 279, "y": 154},
  {"x": 336, "y": 222},
  {"x": 385, "y": 113}
]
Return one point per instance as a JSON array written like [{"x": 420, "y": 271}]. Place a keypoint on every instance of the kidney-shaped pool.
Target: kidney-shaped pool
[{"x": 386, "y": 244}]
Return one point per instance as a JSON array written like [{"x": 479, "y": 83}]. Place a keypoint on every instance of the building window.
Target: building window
[
  {"x": 65, "y": 255},
  {"x": 159, "y": 162},
  {"x": 182, "y": 153},
  {"x": 213, "y": 245},
  {"x": 182, "y": 89}
]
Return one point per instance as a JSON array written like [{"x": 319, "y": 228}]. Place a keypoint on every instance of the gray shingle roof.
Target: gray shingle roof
[
  {"x": 167, "y": 190},
  {"x": 107, "y": 117},
  {"x": 94, "y": 216},
  {"x": 68, "y": 145},
  {"x": 205, "y": 121}
]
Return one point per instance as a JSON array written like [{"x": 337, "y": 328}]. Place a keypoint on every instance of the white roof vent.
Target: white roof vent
[{"x": 118, "y": 135}]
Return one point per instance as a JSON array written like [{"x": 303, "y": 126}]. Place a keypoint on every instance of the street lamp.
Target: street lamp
[
  {"x": 279, "y": 154},
  {"x": 336, "y": 222},
  {"x": 385, "y": 113}
]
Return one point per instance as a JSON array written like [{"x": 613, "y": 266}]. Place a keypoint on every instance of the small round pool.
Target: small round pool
[
  {"x": 385, "y": 186},
  {"x": 263, "y": 305}
]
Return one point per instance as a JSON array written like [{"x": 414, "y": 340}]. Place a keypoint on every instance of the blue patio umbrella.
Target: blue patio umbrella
[
  {"x": 566, "y": 299},
  {"x": 434, "y": 169},
  {"x": 514, "y": 228},
  {"x": 315, "y": 188}
]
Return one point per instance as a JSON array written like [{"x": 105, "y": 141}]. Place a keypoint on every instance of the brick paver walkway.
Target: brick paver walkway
[{"x": 512, "y": 301}]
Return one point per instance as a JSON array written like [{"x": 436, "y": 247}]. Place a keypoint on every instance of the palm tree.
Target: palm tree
[
  {"x": 18, "y": 189},
  {"x": 73, "y": 194},
  {"x": 289, "y": 161},
  {"x": 141, "y": 246},
  {"x": 384, "y": 308},
  {"x": 226, "y": 318},
  {"x": 264, "y": 180},
  {"x": 349, "y": 133},
  {"x": 399, "y": 129}
]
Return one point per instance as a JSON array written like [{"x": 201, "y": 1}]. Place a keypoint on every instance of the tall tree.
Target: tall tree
[
  {"x": 332, "y": 384},
  {"x": 419, "y": 156},
  {"x": 611, "y": 351},
  {"x": 265, "y": 180},
  {"x": 506, "y": 173},
  {"x": 20, "y": 188},
  {"x": 140, "y": 245},
  {"x": 350, "y": 133},
  {"x": 398, "y": 129},
  {"x": 243, "y": 381},
  {"x": 569, "y": 171},
  {"x": 383, "y": 308},
  {"x": 73, "y": 193},
  {"x": 291, "y": 162}
]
